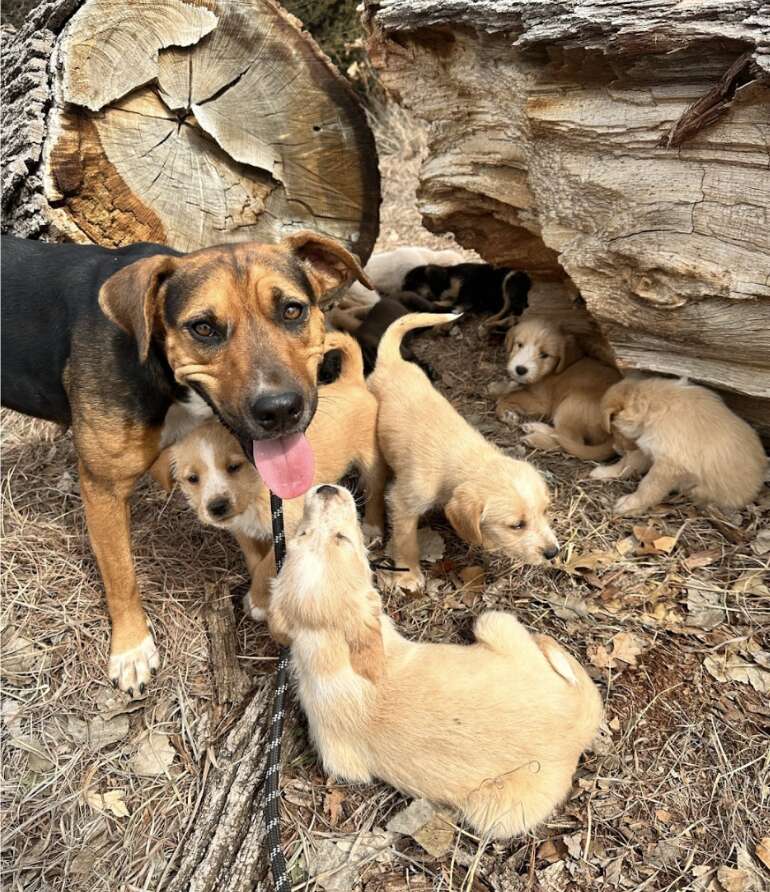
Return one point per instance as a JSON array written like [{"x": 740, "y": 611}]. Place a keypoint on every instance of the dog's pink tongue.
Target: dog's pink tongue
[{"x": 286, "y": 464}]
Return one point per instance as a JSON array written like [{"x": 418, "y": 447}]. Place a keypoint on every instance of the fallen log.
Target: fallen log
[{"x": 620, "y": 146}]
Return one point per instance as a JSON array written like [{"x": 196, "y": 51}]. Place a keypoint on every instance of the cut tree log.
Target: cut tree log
[
  {"x": 186, "y": 122},
  {"x": 621, "y": 145}
]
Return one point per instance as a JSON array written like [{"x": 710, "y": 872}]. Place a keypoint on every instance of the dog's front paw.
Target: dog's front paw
[
  {"x": 131, "y": 670},
  {"x": 412, "y": 580},
  {"x": 626, "y": 506},
  {"x": 539, "y": 436},
  {"x": 507, "y": 416},
  {"x": 372, "y": 532},
  {"x": 500, "y": 388},
  {"x": 602, "y": 472},
  {"x": 258, "y": 614}
]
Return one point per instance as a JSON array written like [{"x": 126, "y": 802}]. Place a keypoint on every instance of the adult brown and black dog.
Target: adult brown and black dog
[{"x": 132, "y": 347}]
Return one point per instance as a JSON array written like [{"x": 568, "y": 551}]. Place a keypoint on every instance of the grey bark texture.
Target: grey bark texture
[{"x": 622, "y": 146}]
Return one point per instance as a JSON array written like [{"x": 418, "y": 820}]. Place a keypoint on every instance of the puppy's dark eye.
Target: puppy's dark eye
[
  {"x": 519, "y": 344},
  {"x": 518, "y": 526},
  {"x": 202, "y": 330},
  {"x": 293, "y": 311},
  {"x": 234, "y": 466},
  {"x": 544, "y": 356},
  {"x": 340, "y": 538},
  {"x": 192, "y": 478}
]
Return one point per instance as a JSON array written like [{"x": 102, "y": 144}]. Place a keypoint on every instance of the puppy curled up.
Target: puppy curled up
[
  {"x": 226, "y": 491},
  {"x": 681, "y": 437},
  {"x": 551, "y": 377},
  {"x": 439, "y": 460},
  {"x": 493, "y": 729}
]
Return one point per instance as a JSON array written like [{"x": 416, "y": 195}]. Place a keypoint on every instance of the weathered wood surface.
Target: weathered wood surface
[
  {"x": 550, "y": 128},
  {"x": 188, "y": 122}
]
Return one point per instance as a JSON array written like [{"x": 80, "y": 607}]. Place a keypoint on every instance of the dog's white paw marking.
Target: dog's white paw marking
[
  {"x": 132, "y": 669},
  {"x": 412, "y": 581},
  {"x": 508, "y": 416},
  {"x": 537, "y": 427},
  {"x": 501, "y": 388},
  {"x": 602, "y": 472},
  {"x": 626, "y": 505},
  {"x": 258, "y": 614}
]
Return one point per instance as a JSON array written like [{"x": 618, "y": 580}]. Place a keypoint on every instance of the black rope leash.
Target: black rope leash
[
  {"x": 275, "y": 855},
  {"x": 272, "y": 793}
]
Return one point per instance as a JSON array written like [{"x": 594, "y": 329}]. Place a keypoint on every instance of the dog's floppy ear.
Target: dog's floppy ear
[
  {"x": 330, "y": 264},
  {"x": 464, "y": 511},
  {"x": 510, "y": 340},
  {"x": 367, "y": 654},
  {"x": 130, "y": 298},
  {"x": 569, "y": 352}
]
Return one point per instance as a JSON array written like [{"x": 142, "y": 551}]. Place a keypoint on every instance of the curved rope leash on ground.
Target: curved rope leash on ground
[{"x": 272, "y": 793}]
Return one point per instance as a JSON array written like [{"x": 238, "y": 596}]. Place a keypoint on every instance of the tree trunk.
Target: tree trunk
[
  {"x": 622, "y": 145},
  {"x": 187, "y": 122}
]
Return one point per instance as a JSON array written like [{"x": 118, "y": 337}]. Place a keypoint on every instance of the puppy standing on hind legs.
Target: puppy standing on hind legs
[{"x": 493, "y": 729}]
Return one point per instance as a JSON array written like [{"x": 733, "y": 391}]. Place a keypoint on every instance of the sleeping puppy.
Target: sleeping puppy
[
  {"x": 227, "y": 492},
  {"x": 684, "y": 438},
  {"x": 368, "y": 325},
  {"x": 552, "y": 377},
  {"x": 472, "y": 287},
  {"x": 493, "y": 729},
  {"x": 439, "y": 460}
]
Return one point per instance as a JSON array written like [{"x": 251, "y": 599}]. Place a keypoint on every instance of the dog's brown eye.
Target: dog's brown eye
[
  {"x": 544, "y": 356},
  {"x": 293, "y": 311},
  {"x": 203, "y": 330},
  {"x": 192, "y": 478},
  {"x": 519, "y": 344},
  {"x": 519, "y": 526},
  {"x": 235, "y": 466}
]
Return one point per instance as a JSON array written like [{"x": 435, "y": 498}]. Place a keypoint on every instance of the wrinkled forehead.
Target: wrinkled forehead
[{"x": 234, "y": 277}]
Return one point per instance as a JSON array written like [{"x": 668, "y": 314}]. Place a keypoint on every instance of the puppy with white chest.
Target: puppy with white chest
[
  {"x": 439, "y": 460},
  {"x": 683, "y": 438},
  {"x": 493, "y": 729},
  {"x": 552, "y": 377},
  {"x": 227, "y": 492}
]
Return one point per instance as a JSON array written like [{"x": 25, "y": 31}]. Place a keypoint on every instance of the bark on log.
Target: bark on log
[
  {"x": 554, "y": 147},
  {"x": 187, "y": 122}
]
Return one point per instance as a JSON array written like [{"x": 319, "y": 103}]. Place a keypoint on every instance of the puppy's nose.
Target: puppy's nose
[
  {"x": 218, "y": 507},
  {"x": 278, "y": 412},
  {"x": 521, "y": 370},
  {"x": 327, "y": 491},
  {"x": 550, "y": 553}
]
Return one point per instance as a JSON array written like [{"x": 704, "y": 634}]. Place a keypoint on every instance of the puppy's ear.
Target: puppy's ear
[
  {"x": 328, "y": 263},
  {"x": 510, "y": 340},
  {"x": 569, "y": 352},
  {"x": 464, "y": 511},
  {"x": 367, "y": 654},
  {"x": 131, "y": 298},
  {"x": 162, "y": 471}
]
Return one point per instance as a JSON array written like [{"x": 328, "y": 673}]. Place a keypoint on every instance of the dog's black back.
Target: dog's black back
[
  {"x": 472, "y": 287},
  {"x": 50, "y": 304}
]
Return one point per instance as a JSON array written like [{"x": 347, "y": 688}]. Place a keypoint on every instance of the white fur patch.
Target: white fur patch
[
  {"x": 132, "y": 668},
  {"x": 183, "y": 417},
  {"x": 256, "y": 613}
]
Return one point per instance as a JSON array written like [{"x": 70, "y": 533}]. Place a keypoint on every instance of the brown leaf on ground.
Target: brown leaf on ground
[
  {"x": 154, "y": 755},
  {"x": 762, "y": 851},
  {"x": 580, "y": 564},
  {"x": 98, "y": 733},
  {"x": 552, "y": 850},
  {"x": 333, "y": 805},
  {"x": 427, "y": 826},
  {"x": 733, "y": 667},
  {"x": 704, "y": 608},
  {"x": 113, "y": 801},
  {"x": 627, "y": 647},
  {"x": 733, "y": 880},
  {"x": 702, "y": 558}
]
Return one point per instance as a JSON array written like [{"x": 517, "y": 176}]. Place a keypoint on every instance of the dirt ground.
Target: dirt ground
[{"x": 670, "y": 613}]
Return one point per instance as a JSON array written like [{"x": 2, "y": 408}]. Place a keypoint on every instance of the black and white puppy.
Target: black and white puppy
[{"x": 472, "y": 287}]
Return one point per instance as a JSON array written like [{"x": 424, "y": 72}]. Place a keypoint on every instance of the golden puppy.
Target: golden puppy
[
  {"x": 439, "y": 460},
  {"x": 494, "y": 729},
  {"x": 227, "y": 492},
  {"x": 552, "y": 377},
  {"x": 686, "y": 439}
]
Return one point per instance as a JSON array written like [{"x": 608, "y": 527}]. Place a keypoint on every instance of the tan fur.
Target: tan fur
[
  {"x": 439, "y": 460},
  {"x": 494, "y": 729},
  {"x": 342, "y": 434},
  {"x": 686, "y": 439},
  {"x": 561, "y": 384}
]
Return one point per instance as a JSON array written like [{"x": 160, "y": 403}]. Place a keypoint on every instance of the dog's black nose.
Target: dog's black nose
[
  {"x": 327, "y": 491},
  {"x": 521, "y": 370},
  {"x": 551, "y": 552},
  {"x": 278, "y": 412},
  {"x": 218, "y": 507}
]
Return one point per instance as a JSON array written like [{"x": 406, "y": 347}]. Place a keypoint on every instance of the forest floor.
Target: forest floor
[{"x": 670, "y": 613}]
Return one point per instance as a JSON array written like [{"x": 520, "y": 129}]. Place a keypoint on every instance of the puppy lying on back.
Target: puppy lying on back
[
  {"x": 493, "y": 729},
  {"x": 472, "y": 287},
  {"x": 226, "y": 491},
  {"x": 551, "y": 377},
  {"x": 439, "y": 460},
  {"x": 682, "y": 437}
]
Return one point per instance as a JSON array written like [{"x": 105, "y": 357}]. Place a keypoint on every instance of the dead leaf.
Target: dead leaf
[
  {"x": 428, "y": 827},
  {"x": 581, "y": 564},
  {"x": 552, "y": 850},
  {"x": 21, "y": 657},
  {"x": 646, "y": 535},
  {"x": 704, "y": 608},
  {"x": 98, "y": 733},
  {"x": 333, "y": 805},
  {"x": 599, "y": 656},
  {"x": 9, "y": 710},
  {"x": 761, "y": 544},
  {"x": 733, "y": 667},
  {"x": 473, "y": 579},
  {"x": 574, "y": 844},
  {"x": 732, "y": 879},
  {"x": 663, "y": 816},
  {"x": 627, "y": 647},
  {"x": 702, "y": 558},
  {"x": 431, "y": 545},
  {"x": 37, "y": 757},
  {"x": 625, "y": 546},
  {"x": 665, "y": 544},
  {"x": 154, "y": 755},
  {"x": 335, "y": 865},
  {"x": 613, "y": 871},
  {"x": 762, "y": 851},
  {"x": 751, "y": 583},
  {"x": 113, "y": 801}
]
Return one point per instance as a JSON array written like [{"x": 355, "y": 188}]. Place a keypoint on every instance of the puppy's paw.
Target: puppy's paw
[
  {"x": 408, "y": 581},
  {"x": 131, "y": 670},
  {"x": 507, "y": 416},
  {"x": 258, "y": 614},
  {"x": 627, "y": 506},
  {"x": 500, "y": 388},
  {"x": 603, "y": 472},
  {"x": 540, "y": 436},
  {"x": 371, "y": 532}
]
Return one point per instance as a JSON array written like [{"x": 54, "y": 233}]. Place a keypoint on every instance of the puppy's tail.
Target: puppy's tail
[
  {"x": 352, "y": 360},
  {"x": 390, "y": 345},
  {"x": 599, "y": 452}
]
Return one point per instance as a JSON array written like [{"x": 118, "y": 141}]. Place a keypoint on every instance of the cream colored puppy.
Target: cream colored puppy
[
  {"x": 494, "y": 729},
  {"x": 682, "y": 437},
  {"x": 552, "y": 377},
  {"x": 226, "y": 491},
  {"x": 439, "y": 460}
]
